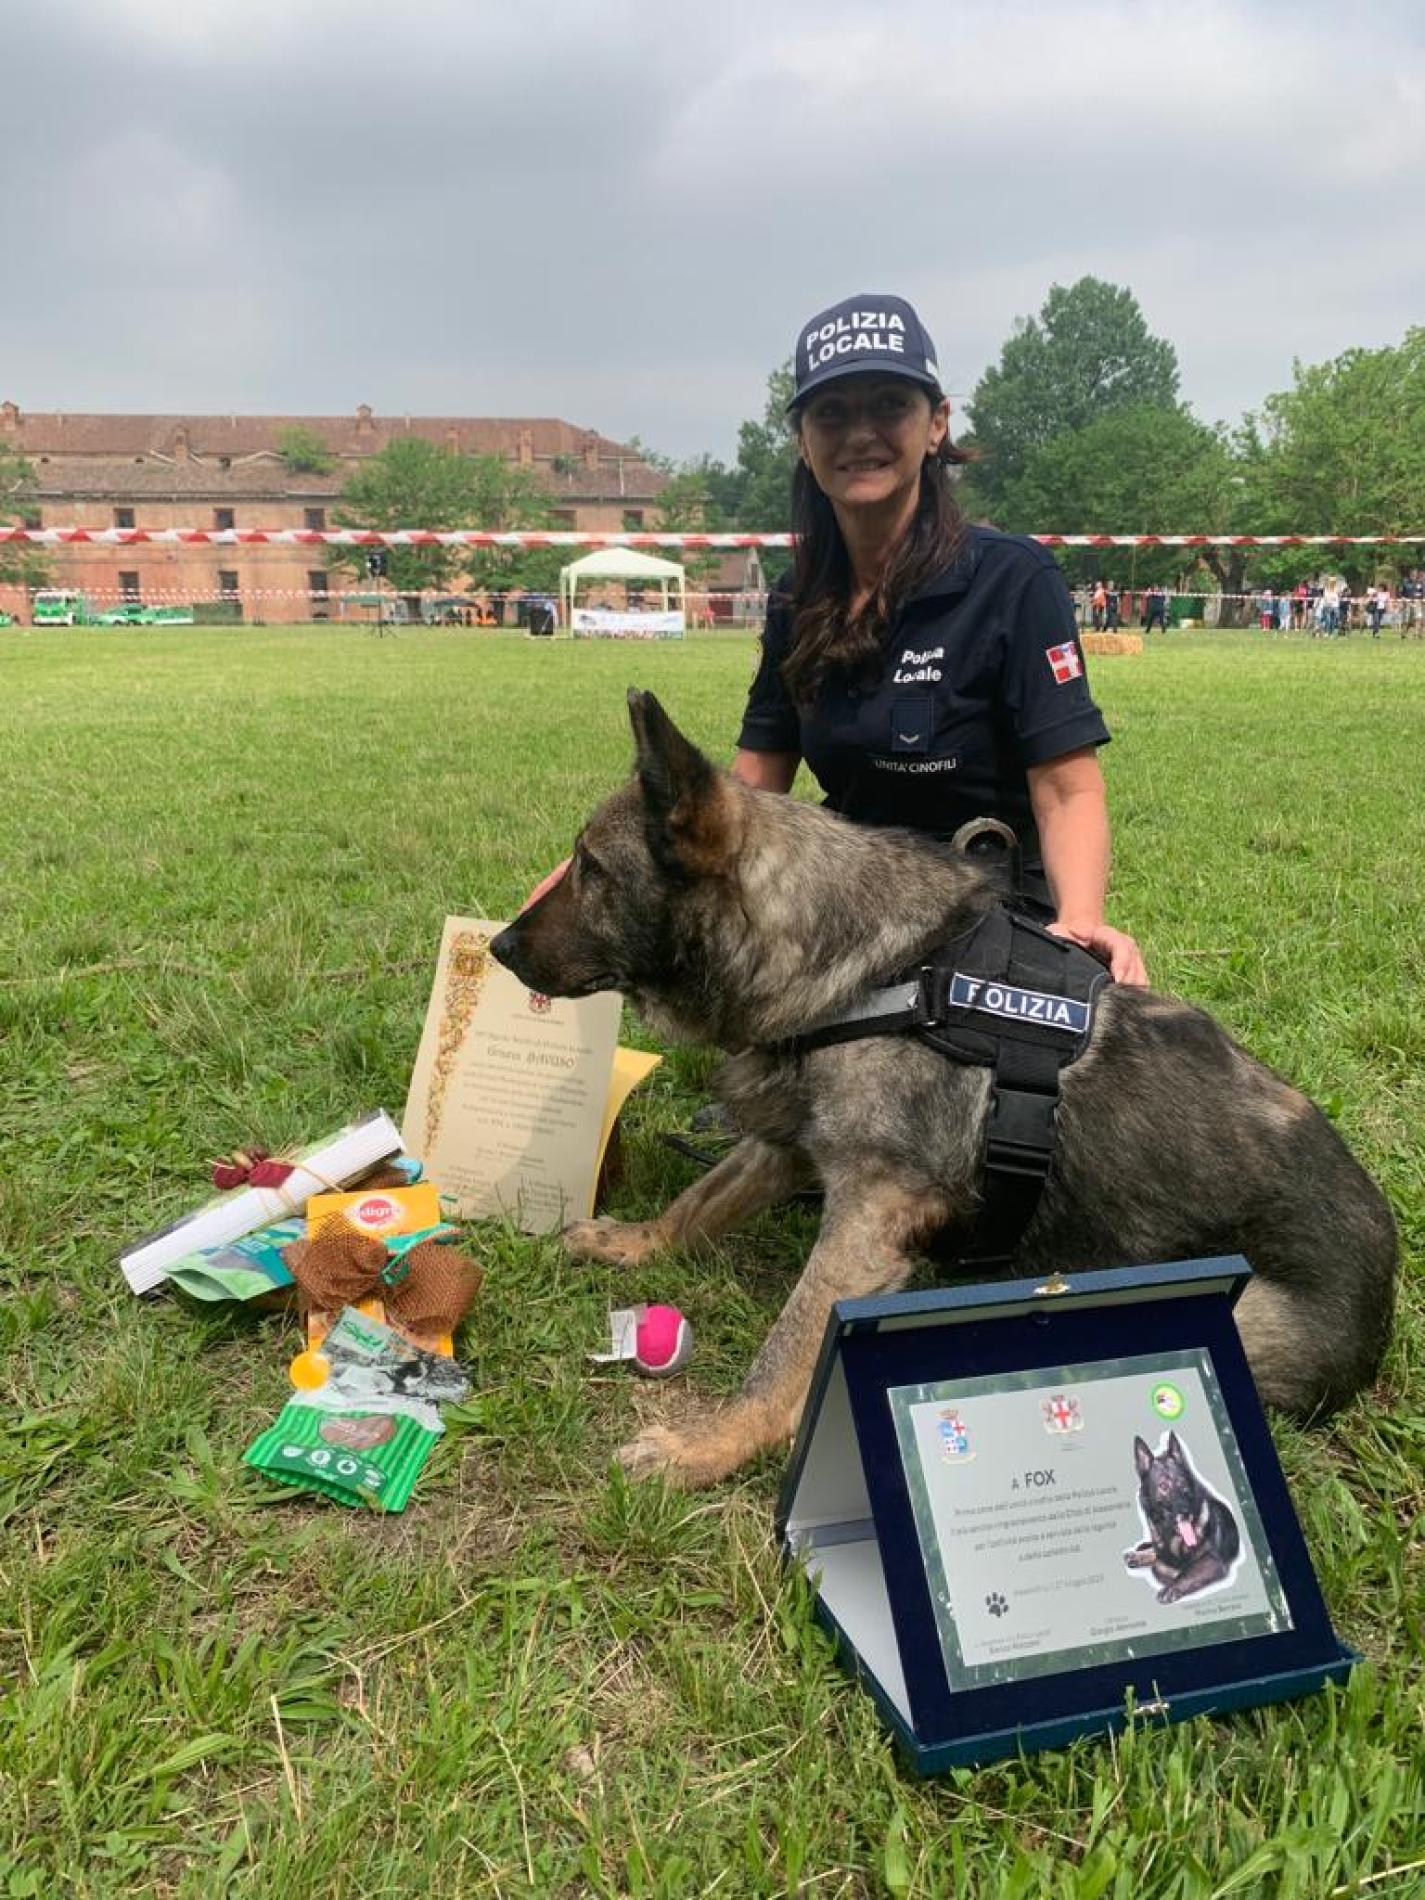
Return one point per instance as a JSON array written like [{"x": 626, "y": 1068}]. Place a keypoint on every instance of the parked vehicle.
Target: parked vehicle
[
  {"x": 60, "y": 607},
  {"x": 133, "y": 613}
]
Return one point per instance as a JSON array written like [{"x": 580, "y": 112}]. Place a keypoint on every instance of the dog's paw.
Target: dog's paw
[
  {"x": 1170, "y": 1593},
  {"x": 656, "y": 1452},
  {"x": 619, "y": 1243},
  {"x": 702, "y": 1449}
]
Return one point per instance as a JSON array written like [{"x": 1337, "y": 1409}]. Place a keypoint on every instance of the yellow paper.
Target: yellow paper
[{"x": 630, "y": 1068}]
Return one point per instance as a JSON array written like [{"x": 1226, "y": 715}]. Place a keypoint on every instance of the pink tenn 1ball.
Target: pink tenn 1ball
[{"x": 663, "y": 1343}]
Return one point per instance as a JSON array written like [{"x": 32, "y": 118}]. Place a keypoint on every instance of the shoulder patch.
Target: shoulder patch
[{"x": 1064, "y": 662}]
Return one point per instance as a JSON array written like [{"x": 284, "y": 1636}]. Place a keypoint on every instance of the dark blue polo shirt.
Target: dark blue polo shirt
[{"x": 981, "y": 676}]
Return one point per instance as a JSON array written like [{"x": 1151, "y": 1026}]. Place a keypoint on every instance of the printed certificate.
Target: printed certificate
[
  {"x": 1077, "y": 1515},
  {"x": 514, "y": 1095}
]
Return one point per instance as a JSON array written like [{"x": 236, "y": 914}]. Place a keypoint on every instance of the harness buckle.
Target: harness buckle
[
  {"x": 1019, "y": 1137},
  {"x": 926, "y": 1015}
]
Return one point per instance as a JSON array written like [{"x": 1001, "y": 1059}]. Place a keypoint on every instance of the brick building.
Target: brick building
[{"x": 110, "y": 471}]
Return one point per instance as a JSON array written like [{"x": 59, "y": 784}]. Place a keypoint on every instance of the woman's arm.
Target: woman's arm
[
  {"x": 766, "y": 771},
  {"x": 1071, "y": 812}
]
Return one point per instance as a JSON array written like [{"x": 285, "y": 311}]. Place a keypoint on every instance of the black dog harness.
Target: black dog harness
[{"x": 1006, "y": 996}]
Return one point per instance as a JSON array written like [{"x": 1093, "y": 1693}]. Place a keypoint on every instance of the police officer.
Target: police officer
[{"x": 928, "y": 671}]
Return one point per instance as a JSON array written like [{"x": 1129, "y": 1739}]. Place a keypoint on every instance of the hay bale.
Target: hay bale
[{"x": 1111, "y": 642}]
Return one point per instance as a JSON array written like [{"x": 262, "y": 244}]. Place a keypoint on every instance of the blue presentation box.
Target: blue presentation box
[{"x": 1035, "y": 1510}]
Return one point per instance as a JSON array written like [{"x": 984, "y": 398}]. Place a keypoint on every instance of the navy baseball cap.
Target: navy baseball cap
[{"x": 864, "y": 333}]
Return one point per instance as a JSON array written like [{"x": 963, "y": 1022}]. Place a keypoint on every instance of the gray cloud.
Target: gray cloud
[{"x": 620, "y": 212}]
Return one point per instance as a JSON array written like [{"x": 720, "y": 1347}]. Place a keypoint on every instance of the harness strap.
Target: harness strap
[
  {"x": 1019, "y": 1147},
  {"x": 1006, "y": 995}
]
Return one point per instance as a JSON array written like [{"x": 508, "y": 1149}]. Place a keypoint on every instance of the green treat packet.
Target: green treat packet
[
  {"x": 356, "y": 1450},
  {"x": 244, "y": 1269}
]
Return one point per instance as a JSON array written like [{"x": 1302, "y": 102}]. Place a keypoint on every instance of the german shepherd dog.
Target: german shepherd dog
[
  {"x": 740, "y": 918},
  {"x": 1192, "y": 1536}
]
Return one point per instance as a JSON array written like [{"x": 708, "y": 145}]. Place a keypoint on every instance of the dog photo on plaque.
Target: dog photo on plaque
[{"x": 1028, "y": 1509}]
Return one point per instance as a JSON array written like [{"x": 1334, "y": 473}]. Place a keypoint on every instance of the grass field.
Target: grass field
[{"x": 225, "y": 858}]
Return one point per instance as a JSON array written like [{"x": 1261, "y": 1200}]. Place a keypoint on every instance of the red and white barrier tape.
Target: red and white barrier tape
[
  {"x": 536, "y": 538},
  {"x": 359, "y": 602}
]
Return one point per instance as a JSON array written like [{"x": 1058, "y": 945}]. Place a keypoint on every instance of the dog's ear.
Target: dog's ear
[
  {"x": 688, "y": 810},
  {"x": 1173, "y": 1449},
  {"x": 669, "y": 766},
  {"x": 1142, "y": 1457}
]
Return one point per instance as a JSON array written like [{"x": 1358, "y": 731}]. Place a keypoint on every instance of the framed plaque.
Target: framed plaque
[{"x": 1029, "y": 1508}]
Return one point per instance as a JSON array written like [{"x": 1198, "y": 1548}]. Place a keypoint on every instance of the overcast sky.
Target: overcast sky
[{"x": 619, "y": 211}]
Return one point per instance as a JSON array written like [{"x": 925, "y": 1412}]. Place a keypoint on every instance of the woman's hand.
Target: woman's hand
[
  {"x": 546, "y": 884},
  {"x": 1114, "y": 947}
]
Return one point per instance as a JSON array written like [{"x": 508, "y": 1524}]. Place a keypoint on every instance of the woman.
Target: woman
[{"x": 928, "y": 672}]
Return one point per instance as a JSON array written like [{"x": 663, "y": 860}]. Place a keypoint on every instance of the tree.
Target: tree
[
  {"x": 1087, "y": 353},
  {"x": 21, "y": 564},
  {"x": 686, "y": 506},
  {"x": 1343, "y": 452},
  {"x": 757, "y": 493},
  {"x": 304, "y": 451},
  {"x": 1145, "y": 470},
  {"x": 413, "y": 483},
  {"x": 509, "y": 495}
]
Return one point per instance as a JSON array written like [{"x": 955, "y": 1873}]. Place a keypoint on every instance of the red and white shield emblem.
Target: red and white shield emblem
[{"x": 1064, "y": 662}]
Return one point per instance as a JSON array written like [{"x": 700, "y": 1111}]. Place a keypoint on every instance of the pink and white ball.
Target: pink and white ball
[{"x": 663, "y": 1342}]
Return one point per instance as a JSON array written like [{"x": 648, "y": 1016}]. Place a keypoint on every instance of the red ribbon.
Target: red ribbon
[{"x": 251, "y": 1167}]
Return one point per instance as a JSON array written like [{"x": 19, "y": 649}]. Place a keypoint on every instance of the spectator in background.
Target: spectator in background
[
  {"x": 1348, "y": 606},
  {"x": 1410, "y": 606},
  {"x": 1328, "y": 611},
  {"x": 1267, "y": 610},
  {"x": 1377, "y": 603},
  {"x": 1098, "y": 602},
  {"x": 1155, "y": 610},
  {"x": 1112, "y": 603},
  {"x": 1299, "y": 601}
]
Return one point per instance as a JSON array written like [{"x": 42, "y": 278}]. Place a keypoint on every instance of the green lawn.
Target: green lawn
[{"x": 225, "y": 857}]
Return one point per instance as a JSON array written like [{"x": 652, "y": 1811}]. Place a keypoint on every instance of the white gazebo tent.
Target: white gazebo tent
[{"x": 627, "y": 565}]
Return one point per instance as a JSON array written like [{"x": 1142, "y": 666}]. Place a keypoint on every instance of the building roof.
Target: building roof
[
  {"x": 266, "y": 478},
  {"x": 130, "y": 477},
  {"x": 241, "y": 456},
  {"x": 36, "y": 432}
]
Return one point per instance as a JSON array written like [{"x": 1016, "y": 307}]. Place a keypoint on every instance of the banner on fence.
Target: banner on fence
[{"x": 604, "y": 623}]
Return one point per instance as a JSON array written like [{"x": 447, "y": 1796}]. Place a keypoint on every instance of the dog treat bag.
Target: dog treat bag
[
  {"x": 247, "y": 1269},
  {"x": 365, "y": 1359},
  {"x": 358, "y": 1450}
]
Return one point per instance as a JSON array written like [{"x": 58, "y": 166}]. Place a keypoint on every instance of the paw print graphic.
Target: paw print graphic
[{"x": 996, "y": 1604}]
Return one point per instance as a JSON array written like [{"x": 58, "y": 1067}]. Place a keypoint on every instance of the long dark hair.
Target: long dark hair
[{"x": 826, "y": 635}]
